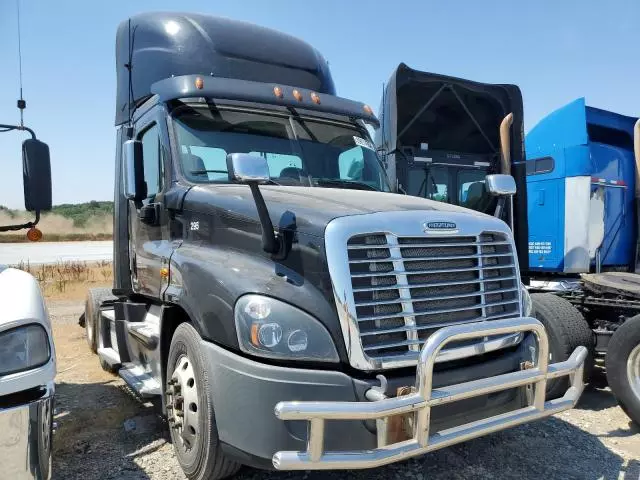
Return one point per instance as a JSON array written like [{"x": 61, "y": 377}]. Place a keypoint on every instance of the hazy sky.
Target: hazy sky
[{"x": 555, "y": 51}]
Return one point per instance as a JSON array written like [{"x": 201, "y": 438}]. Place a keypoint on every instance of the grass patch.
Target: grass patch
[{"x": 69, "y": 280}]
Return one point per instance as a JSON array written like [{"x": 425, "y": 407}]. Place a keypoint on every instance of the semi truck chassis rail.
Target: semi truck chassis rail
[{"x": 425, "y": 397}]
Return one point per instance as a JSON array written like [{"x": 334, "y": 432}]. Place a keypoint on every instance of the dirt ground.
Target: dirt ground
[{"x": 104, "y": 432}]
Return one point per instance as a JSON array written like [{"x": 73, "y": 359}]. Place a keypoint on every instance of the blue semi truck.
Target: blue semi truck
[{"x": 583, "y": 196}]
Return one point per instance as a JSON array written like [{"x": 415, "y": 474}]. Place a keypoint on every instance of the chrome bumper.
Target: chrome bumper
[
  {"x": 419, "y": 403},
  {"x": 25, "y": 439}
]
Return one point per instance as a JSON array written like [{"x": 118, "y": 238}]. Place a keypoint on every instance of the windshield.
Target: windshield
[
  {"x": 299, "y": 151},
  {"x": 459, "y": 186}
]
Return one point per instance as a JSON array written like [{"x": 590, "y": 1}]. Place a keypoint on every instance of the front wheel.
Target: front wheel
[
  {"x": 190, "y": 410},
  {"x": 623, "y": 366},
  {"x": 566, "y": 330}
]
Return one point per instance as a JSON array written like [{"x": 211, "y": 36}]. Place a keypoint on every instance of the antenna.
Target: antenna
[{"x": 22, "y": 104}]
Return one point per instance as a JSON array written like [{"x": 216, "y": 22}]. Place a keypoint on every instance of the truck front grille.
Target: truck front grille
[{"x": 405, "y": 288}]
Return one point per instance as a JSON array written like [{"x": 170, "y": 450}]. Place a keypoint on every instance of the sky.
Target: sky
[{"x": 555, "y": 51}]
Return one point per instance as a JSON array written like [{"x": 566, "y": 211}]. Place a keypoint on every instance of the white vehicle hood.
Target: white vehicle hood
[{"x": 22, "y": 303}]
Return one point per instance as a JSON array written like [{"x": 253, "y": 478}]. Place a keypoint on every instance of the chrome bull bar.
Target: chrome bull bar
[{"x": 425, "y": 397}]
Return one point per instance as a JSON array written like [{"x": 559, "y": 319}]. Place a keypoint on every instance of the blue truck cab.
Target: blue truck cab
[{"x": 581, "y": 181}]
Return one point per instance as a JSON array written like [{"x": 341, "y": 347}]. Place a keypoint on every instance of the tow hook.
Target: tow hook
[{"x": 395, "y": 428}]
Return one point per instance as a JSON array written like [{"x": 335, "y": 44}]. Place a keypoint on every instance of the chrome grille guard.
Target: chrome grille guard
[{"x": 425, "y": 397}]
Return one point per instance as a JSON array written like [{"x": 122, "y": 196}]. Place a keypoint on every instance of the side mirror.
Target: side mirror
[
  {"x": 36, "y": 173},
  {"x": 254, "y": 170},
  {"x": 500, "y": 185},
  {"x": 135, "y": 187},
  {"x": 245, "y": 168}
]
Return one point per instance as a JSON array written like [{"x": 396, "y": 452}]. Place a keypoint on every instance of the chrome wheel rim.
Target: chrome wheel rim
[
  {"x": 183, "y": 409},
  {"x": 633, "y": 370}
]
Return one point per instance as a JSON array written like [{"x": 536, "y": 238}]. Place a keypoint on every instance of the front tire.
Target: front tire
[
  {"x": 190, "y": 410},
  {"x": 566, "y": 330},
  {"x": 622, "y": 362}
]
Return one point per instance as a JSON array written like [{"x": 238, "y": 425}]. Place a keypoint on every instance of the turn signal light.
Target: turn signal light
[
  {"x": 297, "y": 95},
  {"x": 164, "y": 272},
  {"x": 277, "y": 91},
  {"x": 199, "y": 83},
  {"x": 34, "y": 235}
]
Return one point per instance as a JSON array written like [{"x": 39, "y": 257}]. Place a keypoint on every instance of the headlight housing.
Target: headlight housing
[
  {"x": 23, "y": 348},
  {"x": 527, "y": 306},
  {"x": 270, "y": 328}
]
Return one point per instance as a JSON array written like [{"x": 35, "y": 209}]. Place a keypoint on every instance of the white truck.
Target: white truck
[{"x": 27, "y": 354}]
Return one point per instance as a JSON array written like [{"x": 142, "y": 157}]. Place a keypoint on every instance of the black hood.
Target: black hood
[{"x": 304, "y": 209}]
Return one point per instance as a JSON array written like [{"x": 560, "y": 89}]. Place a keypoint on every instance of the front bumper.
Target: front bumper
[
  {"x": 25, "y": 437},
  {"x": 418, "y": 405}
]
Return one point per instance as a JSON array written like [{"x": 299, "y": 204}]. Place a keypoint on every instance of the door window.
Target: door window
[
  {"x": 152, "y": 160},
  {"x": 471, "y": 189}
]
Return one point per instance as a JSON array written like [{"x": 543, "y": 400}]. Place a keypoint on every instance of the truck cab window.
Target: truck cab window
[
  {"x": 471, "y": 190},
  {"x": 281, "y": 165},
  {"x": 205, "y": 163},
  {"x": 351, "y": 163},
  {"x": 299, "y": 151},
  {"x": 430, "y": 182},
  {"x": 152, "y": 160}
]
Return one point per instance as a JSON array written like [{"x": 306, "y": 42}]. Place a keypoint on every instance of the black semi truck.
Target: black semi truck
[{"x": 283, "y": 305}]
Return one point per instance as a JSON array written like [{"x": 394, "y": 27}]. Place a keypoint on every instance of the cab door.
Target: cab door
[{"x": 149, "y": 241}]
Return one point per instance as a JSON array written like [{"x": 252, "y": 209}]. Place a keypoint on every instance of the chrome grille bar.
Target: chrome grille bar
[{"x": 396, "y": 287}]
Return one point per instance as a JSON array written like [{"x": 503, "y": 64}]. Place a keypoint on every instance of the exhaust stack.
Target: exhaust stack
[{"x": 505, "y": 145}]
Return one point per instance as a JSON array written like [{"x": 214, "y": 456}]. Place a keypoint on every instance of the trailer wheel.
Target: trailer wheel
[
  {"x": 622, "y": 362},
  {"x": 190, "y": 411},
  {"x": 566, "y": 329},
  {"x": 95, "y": 298}
]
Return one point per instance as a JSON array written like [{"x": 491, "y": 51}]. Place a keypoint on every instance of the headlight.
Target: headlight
[
  {"x": 271, "y": 328},
  {"x": 527, "y": 306},
  {"x": 23, "y": 348}
]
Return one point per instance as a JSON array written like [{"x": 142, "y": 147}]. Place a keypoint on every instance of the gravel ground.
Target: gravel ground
[{"x": 105, "y": 433}]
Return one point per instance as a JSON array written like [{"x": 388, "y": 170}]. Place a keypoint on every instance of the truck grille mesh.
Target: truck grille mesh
[{"x": 405, "y": 288}]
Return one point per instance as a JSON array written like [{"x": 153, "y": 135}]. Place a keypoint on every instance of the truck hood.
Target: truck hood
[
  {"x": 306, "y": 209},
  {"x": 447, "y": 113}
]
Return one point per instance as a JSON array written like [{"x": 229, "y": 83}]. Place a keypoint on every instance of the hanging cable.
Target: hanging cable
[{"x": 22, "y": 104}]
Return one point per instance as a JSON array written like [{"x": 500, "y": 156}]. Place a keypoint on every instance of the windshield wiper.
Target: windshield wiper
[
  {"x": 203, "y": 172},
  {"x": 345, "y": 183}
]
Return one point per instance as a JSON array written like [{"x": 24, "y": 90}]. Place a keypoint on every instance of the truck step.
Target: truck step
[
  {"x": 110, "y": 356},
  {"x": 139, "y": 380},
  {"x": 109, "y": 314},
  {"x": 147, "y": 333}
]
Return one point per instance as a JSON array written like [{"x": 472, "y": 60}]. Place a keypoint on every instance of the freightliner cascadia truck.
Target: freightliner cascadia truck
[{"x": 283, "y": 305}]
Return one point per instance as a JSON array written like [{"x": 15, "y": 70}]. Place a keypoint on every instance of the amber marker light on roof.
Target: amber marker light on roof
[
  {"x": 297, "y": 95},
  {"x": 199, "y": 83},
  {"x": 277, "y": 91},
  {"x": 315, "y": 98},
  {"x": 368, "y": 109}
]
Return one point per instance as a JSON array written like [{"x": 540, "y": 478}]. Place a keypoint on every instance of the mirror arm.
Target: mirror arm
[
  {"x": 8, "y": 128},
  {"x": 270, "y": 243},
  {"x": 11, "y": 228}
]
